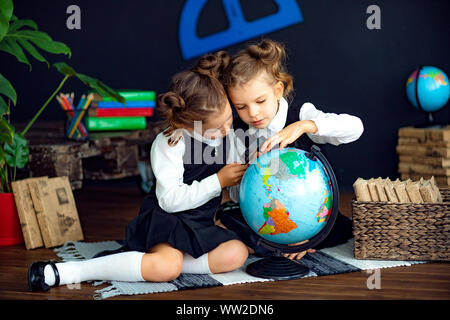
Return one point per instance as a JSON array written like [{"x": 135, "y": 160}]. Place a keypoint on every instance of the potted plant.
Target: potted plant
[{"x": 18, "y": 36}]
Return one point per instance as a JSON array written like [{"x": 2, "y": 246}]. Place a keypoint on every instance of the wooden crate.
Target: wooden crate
[{"x": 108, "y": 155}]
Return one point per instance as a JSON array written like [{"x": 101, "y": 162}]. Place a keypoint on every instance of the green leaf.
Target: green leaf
[
  {"x": 42, "y": 40},
  {"x": 17, "y": 152},
  {"x": 4, "y": 25},
  {"x": 6, "y": 131},
  {"x": 6, "y": 8},
  {"x": 32, "y": 50},
  {"x": 4, "y": 108},
  {"x": 65, "y": 69},
  {"x": 17, "y": 24},
  {"x": 10, "y": 46},
  {"x": 93, "y": 83},
  {"x": 7, "y": 89},
  {"x": 2, "y": 158}
]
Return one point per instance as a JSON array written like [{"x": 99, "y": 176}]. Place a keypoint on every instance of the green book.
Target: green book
[
  {"x": 134, "y": 95},
  {"x": 115, "y": 123}
]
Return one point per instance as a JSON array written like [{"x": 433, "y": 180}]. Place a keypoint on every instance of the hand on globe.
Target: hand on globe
[
  {"x": 298, "y": 255},
  {"x": 289, "y": 134},
  {"x": 231, "y": 174}
]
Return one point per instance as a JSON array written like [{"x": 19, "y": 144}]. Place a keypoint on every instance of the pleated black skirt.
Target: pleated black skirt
[{"x": 191, "y": 231}]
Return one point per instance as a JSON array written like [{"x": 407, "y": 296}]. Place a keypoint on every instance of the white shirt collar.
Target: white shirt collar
[
  {"x": 199, "y": 137},
  {"x": 277, "y": 123}
]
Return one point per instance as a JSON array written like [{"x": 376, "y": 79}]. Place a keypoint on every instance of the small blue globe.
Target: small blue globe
[
  {"x": 286, "y": 197},
  {"x": 433, "y": 88}
]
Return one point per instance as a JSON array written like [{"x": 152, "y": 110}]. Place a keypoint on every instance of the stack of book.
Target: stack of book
[
  {"x": 107, "y": 114},
  {"x": 424, "y": 152}
]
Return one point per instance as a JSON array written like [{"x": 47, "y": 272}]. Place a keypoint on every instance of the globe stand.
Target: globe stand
[
  {"x": 277, "y": 266},
  {"x": 430, "y": 124}
]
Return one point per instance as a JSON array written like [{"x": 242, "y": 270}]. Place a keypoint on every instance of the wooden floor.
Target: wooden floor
[{"x": 106, "y": 207}]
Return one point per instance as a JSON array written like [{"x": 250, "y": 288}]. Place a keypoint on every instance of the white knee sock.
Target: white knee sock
[
  {"x": 125, "y": 266},
  {"x": 199, "y": 265}
]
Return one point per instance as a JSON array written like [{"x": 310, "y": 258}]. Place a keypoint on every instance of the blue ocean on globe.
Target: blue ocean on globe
[
  {"x": 286, "y": 197},
  {"x": 433, "y": 88}
]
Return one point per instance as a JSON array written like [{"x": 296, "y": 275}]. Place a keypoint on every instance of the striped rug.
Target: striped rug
[{"x": 329, "y": 261}]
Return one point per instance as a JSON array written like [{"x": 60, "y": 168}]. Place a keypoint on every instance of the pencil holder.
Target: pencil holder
[{"x": 75, "y": 127}]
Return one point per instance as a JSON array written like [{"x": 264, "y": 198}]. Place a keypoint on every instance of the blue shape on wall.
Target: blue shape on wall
[{"x": 240, "y": 30}]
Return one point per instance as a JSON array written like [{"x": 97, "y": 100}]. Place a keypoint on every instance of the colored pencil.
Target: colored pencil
[
  {"x": 68, "y": 112},
  {"x": 69, "y": 109},
  {"x": 76, "y": 112},
  {"x": 81, "y": 114}
]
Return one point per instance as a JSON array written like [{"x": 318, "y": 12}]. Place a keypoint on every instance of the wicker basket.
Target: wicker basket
[{"x": 402, "y": 231}]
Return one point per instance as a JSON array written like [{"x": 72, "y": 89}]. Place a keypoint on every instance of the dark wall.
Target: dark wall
[{"x": 337, "y": 62}]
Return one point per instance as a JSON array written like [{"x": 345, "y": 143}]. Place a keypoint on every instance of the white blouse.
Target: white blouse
[
  {"x": 167, "y": 161},
  {"x": 331, "y": 128},
  {"x": 172, "y": 193}
]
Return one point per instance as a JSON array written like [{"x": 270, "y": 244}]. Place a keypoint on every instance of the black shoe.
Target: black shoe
[{"x": 36, "y": 278}]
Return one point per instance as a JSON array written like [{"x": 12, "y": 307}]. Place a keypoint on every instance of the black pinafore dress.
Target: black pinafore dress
[
  {"x": 191, "y": 231},
  {"x": 233, "y": 219}
]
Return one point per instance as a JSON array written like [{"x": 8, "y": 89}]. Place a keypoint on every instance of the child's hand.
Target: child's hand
[
  {"x": 289, "y": 134},
  {"x": 225, "y": 196},
  {"x": 298, "y": 255},
  {"x": 231, "y": 174}
]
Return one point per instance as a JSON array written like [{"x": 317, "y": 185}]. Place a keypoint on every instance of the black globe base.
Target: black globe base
[{"x": 277, "y": 268}]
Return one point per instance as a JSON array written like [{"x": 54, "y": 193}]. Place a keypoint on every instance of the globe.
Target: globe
[
  {"x": 428, "y": 88},
  {"x": 286, "y": 196}
]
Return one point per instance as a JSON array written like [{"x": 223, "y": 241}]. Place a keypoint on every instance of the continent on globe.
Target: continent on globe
[
  {"x": 277, "y": 219},
  {"x": 296, "y": 166},
  {"x": 325, "y": 209}
]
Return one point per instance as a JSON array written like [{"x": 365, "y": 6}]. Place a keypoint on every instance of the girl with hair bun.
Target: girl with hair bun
[
  {"x": 259, "y": 87},
  {"x": 175, "y": 230}
]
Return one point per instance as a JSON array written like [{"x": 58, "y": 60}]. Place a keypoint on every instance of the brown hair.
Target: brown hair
[
  {"x": 267, "y": 55},
  {"x": 194, "y": 95}
]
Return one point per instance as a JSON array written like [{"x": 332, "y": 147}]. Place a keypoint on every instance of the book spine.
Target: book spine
[
  {"x": 39, "y": 204},
  {"x": 120, "y": 112},
  {"x": 134, "y": 96},
  {"x": 27, "y": 215},
  {"x": 128, "y": 104},
  {"x": 116, "y": 123}
]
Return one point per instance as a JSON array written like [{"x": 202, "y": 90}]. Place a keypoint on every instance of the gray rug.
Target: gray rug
[{"x": 323, "y": 262}]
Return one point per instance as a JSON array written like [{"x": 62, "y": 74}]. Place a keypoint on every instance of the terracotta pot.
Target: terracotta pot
[{"x": 10, "y": 230}]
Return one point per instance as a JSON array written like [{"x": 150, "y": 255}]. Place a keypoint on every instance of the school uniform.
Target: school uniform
[
  {"x": 181, "y": 205},
  {"x": 332, "y": 128}
]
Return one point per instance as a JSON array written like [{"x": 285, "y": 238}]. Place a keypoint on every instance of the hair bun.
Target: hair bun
[
  {"x": 168, "y": 103},
  {"x": 213, "y": 65},
  {"x": 267, "y": 50}
]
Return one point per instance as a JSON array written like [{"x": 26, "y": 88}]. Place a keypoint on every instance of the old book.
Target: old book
[
  {"x": 431, "y": 161},
  {"x": 400, "y": 192},
  {"x": 27, "y": 215},
  {"x": 423, "y": 150},
  {"x": 373, "y": 190},
  {"x": 436, "y": 190},
  {"x": 361, "y": 190},
  {"x": 389, "y": 189},
  {"x": 56, "y": 211},
  {"x": 435, "y": 134},
  {"x": 441, "y": 181},
  {"x": 379, "y": 184},
  {"x": 427, "y": 192},
  {"x": 413, "y": 190},
  {"x": 422, "y": 168}
]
